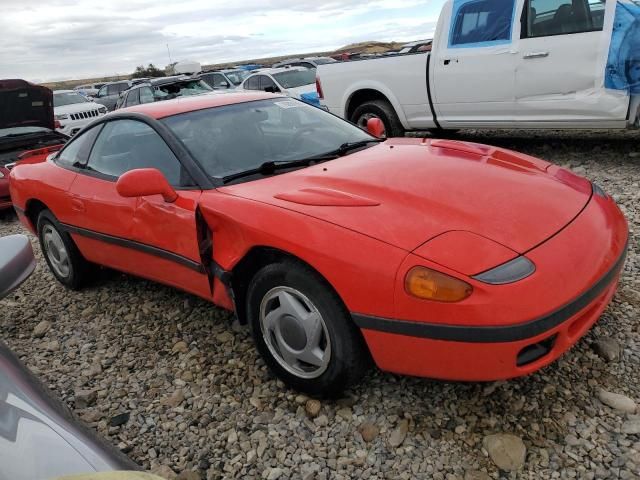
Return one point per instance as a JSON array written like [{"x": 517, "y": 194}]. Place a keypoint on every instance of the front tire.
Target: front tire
[
  {"x": 60, "y": 252},
  {"x": 383, "y": 110},
  {"x": 303, "y": 331}
]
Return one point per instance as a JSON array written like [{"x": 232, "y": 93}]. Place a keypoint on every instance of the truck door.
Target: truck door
[
  {"x": 563, "y": 50},
  {"x": 473, "y": 63}
]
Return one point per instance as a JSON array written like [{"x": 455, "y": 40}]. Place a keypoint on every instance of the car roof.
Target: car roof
[
  {"x": 176, "y": 106},
  {"x": 64, "y": 91},
  {"x": 279, "y": 70}
]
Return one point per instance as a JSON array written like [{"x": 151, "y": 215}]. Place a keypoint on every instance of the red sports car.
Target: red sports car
[{"x": 436, "y": 258}]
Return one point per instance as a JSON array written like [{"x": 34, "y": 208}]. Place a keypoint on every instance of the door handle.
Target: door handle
[
  {"x": 530, "y": 55},
  {"x": 77, "y": 205},
  {"x": 447, "y": 61}
]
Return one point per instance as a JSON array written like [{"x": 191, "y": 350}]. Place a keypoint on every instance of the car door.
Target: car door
[
  {"x": 144, "y": 236},
  {"x": 561, "y": 64},
  {"x": 132, "y": 98},
  {"x": 268, "y": 85},
  {"x": 473, "y": 65},
  {"x": 253, "y": 82}
]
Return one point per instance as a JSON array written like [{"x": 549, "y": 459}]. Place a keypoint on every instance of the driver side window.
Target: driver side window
[
  {"x": 102, "y": 92},
  {"x": 75, "y": 153},
  {"x": 125, "y": 145}
]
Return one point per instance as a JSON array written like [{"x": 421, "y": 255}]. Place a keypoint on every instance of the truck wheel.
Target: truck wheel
[
  {"x": 303, "y": 331},
  {"x": 63, "y": 257},
  {"x": 378, "y": 109}
]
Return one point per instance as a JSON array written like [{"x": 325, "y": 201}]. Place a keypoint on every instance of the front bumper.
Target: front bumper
[
  {"x": 577, "y": 274},
  {"x": 71, "y": 127}
]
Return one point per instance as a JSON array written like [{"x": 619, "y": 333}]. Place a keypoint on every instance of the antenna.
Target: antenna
[{"x": 169, "y": 52}]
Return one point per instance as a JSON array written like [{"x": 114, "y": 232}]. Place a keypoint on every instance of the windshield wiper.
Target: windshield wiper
[
  {"x": 270, "y": 167},
  {"x": 350, "y": 146}
]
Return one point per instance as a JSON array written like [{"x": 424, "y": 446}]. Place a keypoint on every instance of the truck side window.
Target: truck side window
[
  {"x": 478, "y": 23},
  {"x": 544, "y": 18}
]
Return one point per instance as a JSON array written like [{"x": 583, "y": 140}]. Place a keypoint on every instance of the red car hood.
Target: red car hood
[{"x": 407, "y": 191}]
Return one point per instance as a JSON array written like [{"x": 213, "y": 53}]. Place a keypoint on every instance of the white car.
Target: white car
[
  {"x": 295, "y": 82},
  {"x": 73, "y": 111}
]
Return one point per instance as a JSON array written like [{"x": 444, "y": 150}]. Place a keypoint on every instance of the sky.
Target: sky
[{"x": 49, "y": 40}]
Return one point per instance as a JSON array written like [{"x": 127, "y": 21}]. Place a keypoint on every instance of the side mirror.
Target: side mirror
[
  {"x": 272, "y": 89},
  {"x": 224, "y": 84},
  {"x": 375, "y": 127},
  {"x": 144, "y": 182},
  {"x": 16, "y": 262}
]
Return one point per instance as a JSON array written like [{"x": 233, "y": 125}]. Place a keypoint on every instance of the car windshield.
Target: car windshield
[
  {"x": 295, "y": 78},
  {"x": 237, "y": 76},
  {"x": 62, "y": 99},
  {"x": 181, "y": 89},
  {"x": 235, "y": 138}
]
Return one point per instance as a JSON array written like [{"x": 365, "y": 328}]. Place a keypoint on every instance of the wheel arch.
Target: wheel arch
[
  {"x": 32, "y": 210},
  {"x": 364, "y": 93},
  {"x": 255, "y": 259}
]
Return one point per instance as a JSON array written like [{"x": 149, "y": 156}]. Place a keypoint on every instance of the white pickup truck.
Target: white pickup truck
[{"x": 502, "y": 64}]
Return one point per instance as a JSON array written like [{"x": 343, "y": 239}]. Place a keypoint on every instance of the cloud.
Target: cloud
[{"x": 80, "y": 39}]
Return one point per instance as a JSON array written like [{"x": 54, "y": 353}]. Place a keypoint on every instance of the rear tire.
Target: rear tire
[
  {"x": 303, "y": 331},
  {"x": 61, "y": 253},
  {"x": 383, "y": 110}
]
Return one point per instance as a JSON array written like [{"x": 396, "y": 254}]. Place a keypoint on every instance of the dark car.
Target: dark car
[
  {"x": 26, "y": 123},
  {"x": 109, "y": 94},
  {"x": 39, "y": 436},
  {"x": 164, "y": 88}
]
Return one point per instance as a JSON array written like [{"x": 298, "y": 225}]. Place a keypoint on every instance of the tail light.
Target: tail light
[{"x": 319, "y": 88}]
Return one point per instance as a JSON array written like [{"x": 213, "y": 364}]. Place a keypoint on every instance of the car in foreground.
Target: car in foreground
[
  {"x": 295, "y": 82},
  {"x": 26, "y": 123},
  {"x": 436, "y": 258},
  {"x": 306, "y": 62},
  {"x": 109, "y": 94},
  {"x": 72, "y": 111},
  {"x": 225, "y": 79},
  {"x": 165, "y": 88},
  {"x": 39, "y": 436}
]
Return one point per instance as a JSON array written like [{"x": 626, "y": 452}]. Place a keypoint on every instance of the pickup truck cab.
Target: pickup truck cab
[{"x": 502, "y": 64}]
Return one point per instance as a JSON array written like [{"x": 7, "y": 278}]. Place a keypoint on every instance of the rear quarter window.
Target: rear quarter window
[{"x": 481, "y": 23}]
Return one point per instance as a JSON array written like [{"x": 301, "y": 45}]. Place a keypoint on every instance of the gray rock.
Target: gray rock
[
  {"x": 368, "y": 431},
  {"x": 607, "y": 348},
  {"x": 312, "y": 407},
  {"x": 164, "y": 471},
  {"x": 632, "y": 425},
  {"x": 397, "y": 436},
  {"x": 175, "y": 399},
  {"x": 41, "y": 329},
  {"x": 617, "y": 401},
  {"x": 476, "y": 475},
  {"x": 507, "y": 451},
  {"x": 85, "y": 398}
]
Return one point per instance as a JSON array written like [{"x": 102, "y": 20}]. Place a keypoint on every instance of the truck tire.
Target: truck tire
[{"x": 381, "y": 109}]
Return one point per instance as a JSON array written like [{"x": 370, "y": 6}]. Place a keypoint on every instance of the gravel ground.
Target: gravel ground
[{"x": 172, "y": 382}]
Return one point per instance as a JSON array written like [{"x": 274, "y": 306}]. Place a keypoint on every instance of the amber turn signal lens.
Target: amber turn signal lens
[{"x": 425, "y": 283}]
